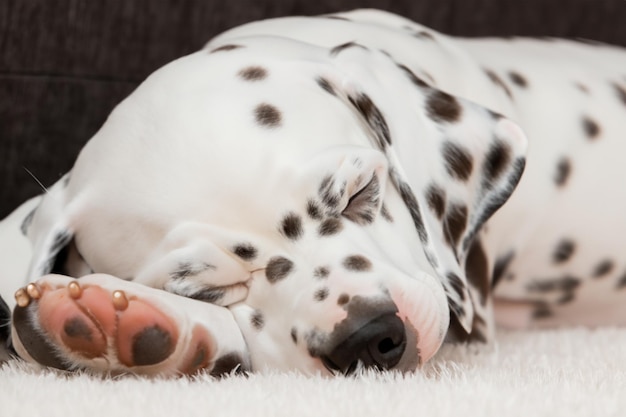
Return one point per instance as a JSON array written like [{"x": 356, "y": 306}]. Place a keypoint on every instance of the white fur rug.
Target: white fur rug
[{"x": 573, "y": 372}]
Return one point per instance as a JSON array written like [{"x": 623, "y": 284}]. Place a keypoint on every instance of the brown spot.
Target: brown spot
[
  {"x": 256, "y": 320},
  {"x": 564, "y": 251},
  {"x": 603, "y": 268},
  {"x": 458, "y": 161},
  {"x": 343, "y": 299},
  {"x": 582, "y": 87},
  {"x": 294, "y": 335},
  {"x": 498, "y": 81},
  {"x": 542, "y": 311},
  {"x": 245, "y": 251},
  {"x": 436, "y": 197},
  {"x": 330, "y": 227},
  {"x": 357, "y": 263},
  {"x": 267, "y": 115},
  {"x": 621, "y": 283},
  {"x": 592, "y": 129},
  {"x": 152, "y": 345},
  {"x": 291, "y": 226},
  {"x": 454, "y": 224},
  {"x": 518, "y": 79},
  {"x": 225, "y": 48},
  {"x": 422, "y": 34},
  {"x": 321, "y": 294},
  {"x": 254, "y": 73},
  {"x": 278, "y": 268},
  {"x": 442, "y": 107},
  {"x": 563, "y": 171}
]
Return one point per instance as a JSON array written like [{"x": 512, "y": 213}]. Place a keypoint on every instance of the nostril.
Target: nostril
[{"x": 378, "y": 344}]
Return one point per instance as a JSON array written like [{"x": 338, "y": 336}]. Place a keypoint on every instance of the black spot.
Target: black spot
[
  {"x": 278, "y": 268},
  {"x": 477, "y": 270},
  {"x": 337, "y": 18},
  {"x": 565, "y": 284},
  {"x": 208, "y": 295},
  {"x": 412, "y": 205},
  {"x": 291, "y": 226},
  {"x": 321, "y": 294},
  {"x": 436, "y": 197},
  {"x": 564, "y": 251},
  {"x": 343, "y": 299},
  {"x": 313, "y": 210},
  {"x": 592, "y": 129},
  {"x": 330, "y": 227},
  {"x": 337, "y": 49},
  {"x": 329, "y": 197},
  {"x": 245, "y": 251},
  {"x": 518, "y": 79},
  {"x": 226, "y": 48},
  {"x": 500, "y": 267},
  {"x": 373, "y": 117},
  {"x": 498, "y": 81},
  {"x": 385, "y": 213},
  {"x": 58, "y": 254},
  {"x": 326, "y": 85},
  {"x": 321, "y": 272},
  {"x": 294, "y": 335},
  {"x": 621, "y": 92},
  {"x": 603, "y": 268},
  {"x": 414, "y": 78},
  {"x": 498, "y": 158},
  {"x": 357, "y": 263},
  {"x": 267, "y": 115},
  {"x": 27, "y": 221},
  {"x": 563, "y": 171},
  {"x": 458, "y": 161},
  {"x": 454, "y": 223},
  {"x": 442, "y": 107},
  {"x": 422, "y": 34},
  {"x": 254, "y": 73},
  {"x": 187, "y": 269},
  {"x": 152, "y": 345},
  {"x": 257, "y": 320},
  {"x": 231, "y": 362},
  {"x": 456, "y": 284}
]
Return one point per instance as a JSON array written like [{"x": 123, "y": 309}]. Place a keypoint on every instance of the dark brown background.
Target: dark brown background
[{"x": 64, "y": 64}]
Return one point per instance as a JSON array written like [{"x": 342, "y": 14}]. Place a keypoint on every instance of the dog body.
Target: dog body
[{"x": 317, "y": 194}]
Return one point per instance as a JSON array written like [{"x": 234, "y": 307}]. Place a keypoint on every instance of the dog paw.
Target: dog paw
[{"x": 89, "y": 323}]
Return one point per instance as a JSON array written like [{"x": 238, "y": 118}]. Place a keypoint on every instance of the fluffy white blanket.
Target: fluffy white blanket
[{"x": 572, "y": 372}]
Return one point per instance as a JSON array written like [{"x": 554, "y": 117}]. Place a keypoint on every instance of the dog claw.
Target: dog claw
[
  {"x": 120, "y": 302},
  {"x": 33, "y": 291},
  {"x": 22, "y": 298},
  {"x": 74, "y": 290}
]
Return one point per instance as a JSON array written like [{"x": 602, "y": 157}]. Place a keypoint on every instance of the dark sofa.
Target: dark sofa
[{"x": 64, "y": 64}]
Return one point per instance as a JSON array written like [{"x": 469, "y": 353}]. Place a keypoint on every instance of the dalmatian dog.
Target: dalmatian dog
[{"x": 328, "y": 194}]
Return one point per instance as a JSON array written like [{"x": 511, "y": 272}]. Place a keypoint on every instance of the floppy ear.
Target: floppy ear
[
  {"x": 453, "y": 162},
  {"x": 52, "y": 238}
]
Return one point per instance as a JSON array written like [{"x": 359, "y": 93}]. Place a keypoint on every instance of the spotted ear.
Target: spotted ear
[{"x": 453, "y": 161}]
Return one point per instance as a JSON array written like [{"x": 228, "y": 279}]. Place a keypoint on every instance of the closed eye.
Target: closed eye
[{"x": 362, "y": 207}]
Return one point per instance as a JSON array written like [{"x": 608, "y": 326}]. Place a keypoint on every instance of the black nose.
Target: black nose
[{"x": 378, "y": 344}]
